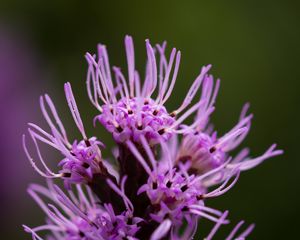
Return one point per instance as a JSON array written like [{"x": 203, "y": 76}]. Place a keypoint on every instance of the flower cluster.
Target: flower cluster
[{"x": 166, "y": 170}]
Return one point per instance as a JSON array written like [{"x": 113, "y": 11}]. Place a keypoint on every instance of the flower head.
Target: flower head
[
  {"x": 81, "y": 217},
  {"x": 205, "y": 150},
  {"x": 175, "y": 194},
  {"x": 160, "y": 184},
  {"x": 129, "y": 109},
  {"x": 81, "y": 159}
]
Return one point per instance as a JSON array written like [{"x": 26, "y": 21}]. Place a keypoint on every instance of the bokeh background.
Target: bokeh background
[{"x": 254, "y": 49}]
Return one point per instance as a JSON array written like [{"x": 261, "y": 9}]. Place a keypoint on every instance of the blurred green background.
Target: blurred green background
[{"x": 253, "y": 47}]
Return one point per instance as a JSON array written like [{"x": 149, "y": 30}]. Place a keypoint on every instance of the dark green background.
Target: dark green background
[{"x": 253, "y": 47}]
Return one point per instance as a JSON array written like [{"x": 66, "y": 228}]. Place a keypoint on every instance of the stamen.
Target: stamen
[
  {"x": 74, "y": 109},
  {"x": 217, "y": 226},
  {"x": 166, "y": 78},
  {"x": 166, "y": 97},
  {"x": 152, "y": 69},
  {"x": 61, "y": 131},
  {"x": 49, "y": 173},
  {"x": 130, "y": 63}
]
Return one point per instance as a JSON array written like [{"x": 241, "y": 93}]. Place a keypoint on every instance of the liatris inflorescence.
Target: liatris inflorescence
[{"x": 166, "y": 170}]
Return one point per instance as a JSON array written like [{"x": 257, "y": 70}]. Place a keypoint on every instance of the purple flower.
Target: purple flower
[
  {"x": 130, "y": 110},
  {"x": 81, "y": 159},
  {"x": 174, "y": 193},
  {"x": 205, "y": 151},
  {"x": 162, "y": 183},
  {"x": 79, "y": 216}
]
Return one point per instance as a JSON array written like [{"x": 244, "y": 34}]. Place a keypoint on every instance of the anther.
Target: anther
[
  {"x": 184, "y": 158},
  {"x": 161, "y": 131},
  {"x": 85, "y": 165},
  {"x": 66, "y": 175},
  {"x": 120, "y": 129},
  {"x": 184, "y": 188},
  {"x": 129, "y": 221},
  {"x": 87, "y": 143},
  {"x": 73, "y": 154},
  {"x": 173, "y": 114},
  {"x": 200, "y": 197},
  {"x": 185, "y": 209},
  {"x": 212, "y": 149}
]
